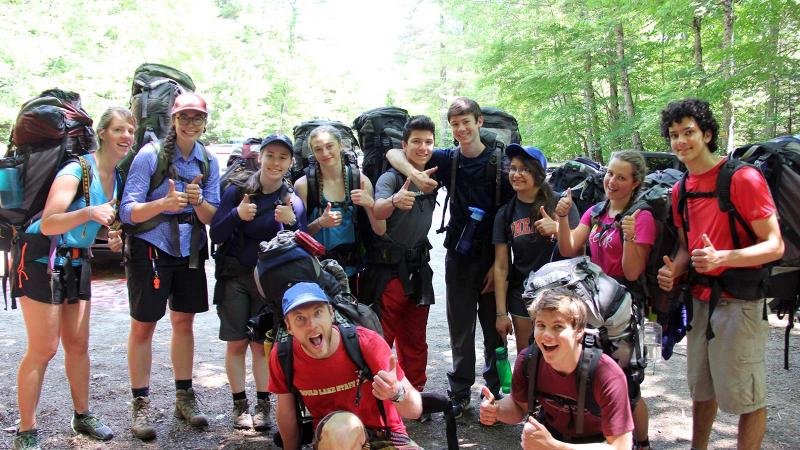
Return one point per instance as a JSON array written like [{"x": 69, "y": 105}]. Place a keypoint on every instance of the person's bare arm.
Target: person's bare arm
[{"x": 286, "y": 416}]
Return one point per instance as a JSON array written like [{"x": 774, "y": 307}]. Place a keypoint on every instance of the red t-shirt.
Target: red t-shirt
[
  {"x": 749, "y": 194},
  {"x": 329, "y": 384},
  {"x": 609, "y": 388},
  {"x": 605, "y": 243}
]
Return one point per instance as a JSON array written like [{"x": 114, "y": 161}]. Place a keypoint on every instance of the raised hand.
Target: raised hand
[
  {"x": 105, "y": 213},
  {"x": 284, "y": 213},
  {"x": 666, "y": 275},
  {"x": 174, "y": 200},
  {"x": 404, "y": 199},
  {"x": 362, "y": 197},
  {"x": 546, "y": 226},
  {"x": 564, "y": 204},
  {"x": 707, "y": 258},
  {"x": 489, "y": 408},
  {"x": 246, "y": 210},
  {"x": 193, "y": 190},
  {"x": 385, "y": 384},
  {"x": 115, "y": 240},
  {"x": 330, "y": 219},
  {"x": 536, "y": 436},
  {"x": 629, "y": 226},
  {"x": 424, "y": 181}
]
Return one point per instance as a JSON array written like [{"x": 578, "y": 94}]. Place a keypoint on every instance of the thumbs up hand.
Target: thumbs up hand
[
  {"x": 284, "y": 213},
  {"x": 666, "y": 275},
  {"x": 174, "y": 200},
  {"x": 489, "y": 408},
  {"x": 564, "y": 204},
  {"x": 193, "y": 190},
  {"x": 329, "y": 219},
  {"x": 707, "y": 258},
  {"x": 385, "y": 385},
  {"x": 404, "y": 199},
  {"x": 535, "y": 435},
  {"x": 629, "y": 226},
  {"x": 105, "y": 213},
  {"x": 246, "y": 210},
  {"x": 424, "y": 181},
  {"x": 546, "y": 226},
  {"x": 115, "y": 240},
  {"x": 362, "y": 197}
]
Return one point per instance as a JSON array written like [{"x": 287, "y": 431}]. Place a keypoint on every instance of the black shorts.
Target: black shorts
[
  {"x": 238, "y": 302},
  {"x": 185, "y": 288},
  {"x": 517, "y": 306},
  {"x": 67, "y": 282}
]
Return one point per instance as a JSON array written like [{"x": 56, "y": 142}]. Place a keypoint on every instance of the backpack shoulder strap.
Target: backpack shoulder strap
[
  {"x": 204, "y": 161},
  {"x": 86, "y": 180},
  {"x": 532, "y": 371},
  {"x": 285, "y": 357},
  {"x": 597, "y": 211},
  {"x": 353, "y": 349},
  {"x": 448, "y": 198},
  {"x": 312, "y": 187},
  {"x": 724, "y": 181},
  {"x": 160, "y": 173},
  {"x": 587, "y": 366},
  {"x": 494, "y": 170}
]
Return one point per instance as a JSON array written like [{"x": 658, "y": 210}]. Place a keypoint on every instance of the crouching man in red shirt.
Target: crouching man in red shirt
[
  {"x": 327, "y": 379},
  {"x": 559, "y": 319}
]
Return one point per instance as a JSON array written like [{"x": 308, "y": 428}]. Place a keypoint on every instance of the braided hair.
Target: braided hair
[{"x": 168, "y": 146}]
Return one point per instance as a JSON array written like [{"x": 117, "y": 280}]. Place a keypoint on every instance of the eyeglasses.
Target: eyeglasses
[
  {"x": 196, "y": 120},
  {"x": 520, "y": 170}
]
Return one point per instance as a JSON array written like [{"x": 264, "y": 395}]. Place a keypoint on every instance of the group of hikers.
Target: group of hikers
[{"x": 172, "y": 192}]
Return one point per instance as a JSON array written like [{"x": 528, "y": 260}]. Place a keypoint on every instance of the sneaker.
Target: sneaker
[
  {"x": 425, "y": 417},
  {"x": 241, "y": 415},
  {"x": 186, "y": 408},
  {"x": 261, "y": 415},
  {"x": 140, "y": 423},
  {"x": 27, "y": 440},
  {"x": 91, "y": 426},
  {"x": 461, "y": 404}
]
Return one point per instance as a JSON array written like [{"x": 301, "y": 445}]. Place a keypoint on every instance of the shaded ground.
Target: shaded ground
[{"x": 665, "y": 390}]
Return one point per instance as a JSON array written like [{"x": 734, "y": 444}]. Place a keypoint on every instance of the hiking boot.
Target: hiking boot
[
  {"x": 27, "y": 440},
  {"x": 261, "y": 415},
  {"x": 241, "y": 415},
  {"x": 91, "y": 426},
  {"x": 140, "y": 423},
  {"x": 425, "y": 417},
  {"x": 461, "y": 404},
  {"x": 186, "y": 408}
]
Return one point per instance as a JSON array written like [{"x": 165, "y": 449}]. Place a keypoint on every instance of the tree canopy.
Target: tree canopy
[{"x": 582, "y": 77}]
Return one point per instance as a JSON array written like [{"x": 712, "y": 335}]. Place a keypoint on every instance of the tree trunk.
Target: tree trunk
[
  {"x": 726, "y": 133},
  {"x": 771, "y": 105},
  {"x": 698, "y": 50},
  {"x": 443, "y": 123},
  {"x": 290, "y": 53},
  {"x": 630, "y": 113},
  {"x": 613, "y": 104},
  {"x": 590, "y": 112}
]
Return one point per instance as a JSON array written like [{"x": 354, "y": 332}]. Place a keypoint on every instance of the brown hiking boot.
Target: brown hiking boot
[
  {"x": 140, "y": 423},
  {"x": 186, "y": 408},
  {"x": 261, "y": 415},
  {"x": 241, "y": 415}
]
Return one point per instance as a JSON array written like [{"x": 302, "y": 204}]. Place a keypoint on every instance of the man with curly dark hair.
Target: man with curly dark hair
[{"x": 728, "y": 335}]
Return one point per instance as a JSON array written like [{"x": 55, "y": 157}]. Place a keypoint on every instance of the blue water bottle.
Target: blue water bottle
[
  {"x": 464, "y": 245},
  {"x": 10, "y": 188}
]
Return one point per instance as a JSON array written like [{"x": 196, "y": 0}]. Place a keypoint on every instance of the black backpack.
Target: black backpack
[
  {"x": 153, "y": 93},
  {"x": 584, "y": 177},
  {"x": 50, "y": 131},
  {"x": 303, "y": 156},
  {"x": 504, "y": 126},
  {"x": 379, "y": 130},
  {"x": 655, "y": 196},
  {"x": 241, "y": 167}
]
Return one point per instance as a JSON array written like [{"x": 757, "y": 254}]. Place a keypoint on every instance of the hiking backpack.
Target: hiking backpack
[
  {"x": 153, "y": 93},
  {"x": 584, "y": 177},
  {"x": 303, "y": 156},
  {"x": 241, "y": 167},
  {"x": 51, "y": 130},
  {"x": 655, "y": 196},
  {"x": 379, "y": 130},
  {"x": 618, "y": 322}
]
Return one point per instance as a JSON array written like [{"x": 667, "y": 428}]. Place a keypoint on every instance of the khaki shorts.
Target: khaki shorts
[{"x": 731, "y": 366}]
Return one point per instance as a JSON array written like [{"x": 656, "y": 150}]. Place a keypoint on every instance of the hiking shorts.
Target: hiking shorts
[
  {"x": 730, "y": 367},
  {"x": 515, "y": 304},
  {"x": 184, "y": 288},
  {"x": 61, "y": 286},
  {"x": 239, "y": 302}
]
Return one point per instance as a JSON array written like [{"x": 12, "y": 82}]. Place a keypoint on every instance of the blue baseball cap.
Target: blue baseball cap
[
  {"x": 280, "y": 138},
  {"x": 530, "y": 152},
  {"x": 302, "y": 293}
]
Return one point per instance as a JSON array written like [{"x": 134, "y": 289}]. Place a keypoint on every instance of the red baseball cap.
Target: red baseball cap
[{"x": 189, "y": 101}]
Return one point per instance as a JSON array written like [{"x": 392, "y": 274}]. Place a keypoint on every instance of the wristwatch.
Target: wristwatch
[
  {"x": 200, "y": 199},
  {"x": 401, "y": 394}
]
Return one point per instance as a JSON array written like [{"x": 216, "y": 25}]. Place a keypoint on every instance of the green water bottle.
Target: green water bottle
[{"x": 503, "y": 369}]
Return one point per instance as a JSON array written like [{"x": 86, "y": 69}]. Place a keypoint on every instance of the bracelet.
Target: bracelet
[
  {"x": 565, "y": 215},
  {"x": 393, "y": 205},
  {"x": 505, "y": 314},
  {"x": 631, "y": 239}
]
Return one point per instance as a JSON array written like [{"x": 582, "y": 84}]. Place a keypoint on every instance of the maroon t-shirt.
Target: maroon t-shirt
[
  {"x": 610, "y": 393},
  {"x": 329, "y": 384}
]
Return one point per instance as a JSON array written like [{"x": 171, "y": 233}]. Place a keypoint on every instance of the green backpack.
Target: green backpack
[{"x": 154, "y": 89}]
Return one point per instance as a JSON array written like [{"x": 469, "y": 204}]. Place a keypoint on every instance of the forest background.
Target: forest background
[{"x": 582, "y": 77}]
